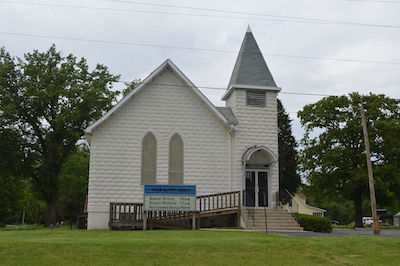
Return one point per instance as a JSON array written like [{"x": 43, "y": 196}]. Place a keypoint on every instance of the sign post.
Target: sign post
[
  {"x": 170, "y": 198},
  {"x": 144, "y": 220}
]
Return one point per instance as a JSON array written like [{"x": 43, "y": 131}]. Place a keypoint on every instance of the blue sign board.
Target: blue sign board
[
  {"x": 169, "y": 198},
  {"x": 170, "y": 189}
]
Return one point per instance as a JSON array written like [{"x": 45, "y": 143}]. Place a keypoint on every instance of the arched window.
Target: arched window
[
  {"x": 149, "y": 159},
  {"x": 175, "y": 170}
]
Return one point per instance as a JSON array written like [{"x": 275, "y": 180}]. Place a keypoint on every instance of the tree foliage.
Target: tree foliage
[
  {"x": 130, "y": 86},
  {"x": 14, "y": 167},
  {"x": 333, "y": 156},
  {"x": 49, "y": 100},
  {"x": 289, "y": 179},
  {"x": 73, "y": 185}
]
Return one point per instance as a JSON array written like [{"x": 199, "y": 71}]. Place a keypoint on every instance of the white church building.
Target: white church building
[{"x": 166, "y": 131}]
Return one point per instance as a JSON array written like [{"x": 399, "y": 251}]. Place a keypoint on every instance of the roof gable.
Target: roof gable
[{"x": 167, "y": 64}]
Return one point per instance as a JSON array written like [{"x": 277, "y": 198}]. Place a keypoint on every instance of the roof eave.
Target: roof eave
[{"x": 90, "y": 128}]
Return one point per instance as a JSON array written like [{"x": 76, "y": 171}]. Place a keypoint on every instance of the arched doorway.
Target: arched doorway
[{"x": 258, "y": 162}]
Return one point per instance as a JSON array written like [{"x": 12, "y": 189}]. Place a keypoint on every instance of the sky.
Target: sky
[{"x": 284, "y": 29}]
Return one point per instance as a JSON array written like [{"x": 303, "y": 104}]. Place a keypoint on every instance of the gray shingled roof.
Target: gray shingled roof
[
  {"x": 228, "y": 114},
  {"x": 250, "y": 68}
]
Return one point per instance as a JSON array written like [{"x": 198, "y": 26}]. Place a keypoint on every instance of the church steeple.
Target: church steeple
[
  {"x": 248, "y": 28},
  {"x": 250, "y": 71}
]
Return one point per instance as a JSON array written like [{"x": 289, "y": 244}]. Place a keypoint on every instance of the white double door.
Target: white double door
[{"x": 256, "y": 192}]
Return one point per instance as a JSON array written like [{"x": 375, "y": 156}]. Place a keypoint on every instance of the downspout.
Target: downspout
[{"x": 231, "y": 151}]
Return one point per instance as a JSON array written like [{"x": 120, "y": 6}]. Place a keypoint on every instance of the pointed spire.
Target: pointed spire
[
  {"x": 248, "y": 28},
  {"x": 250, "y": 67}
]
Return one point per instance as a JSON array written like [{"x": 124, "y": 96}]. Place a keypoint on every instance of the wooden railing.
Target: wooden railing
[
  {"x": 169, "y": 219},
  {"x": 122, "y": 213},
  {"x": 219, "y": 201},
  {"x": 126, "y": 215}
]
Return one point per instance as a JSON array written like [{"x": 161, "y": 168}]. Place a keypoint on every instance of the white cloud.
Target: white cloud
[{"x": 214, "y": 69}]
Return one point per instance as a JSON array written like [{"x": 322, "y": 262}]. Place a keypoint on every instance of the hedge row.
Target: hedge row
[{"x": 314, "y": 223}]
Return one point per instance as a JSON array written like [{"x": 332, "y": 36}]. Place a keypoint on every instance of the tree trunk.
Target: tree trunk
[
  {"x": 51, "y": 213},
  {"x": 53, "y": 169},
  {"x": 358, "y": 210}
]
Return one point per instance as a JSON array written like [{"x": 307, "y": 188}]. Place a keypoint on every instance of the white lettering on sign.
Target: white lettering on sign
[{"x": 169, "y": 203}]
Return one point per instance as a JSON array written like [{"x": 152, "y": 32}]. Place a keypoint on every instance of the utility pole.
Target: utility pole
[{"x": 370, "y": 173}]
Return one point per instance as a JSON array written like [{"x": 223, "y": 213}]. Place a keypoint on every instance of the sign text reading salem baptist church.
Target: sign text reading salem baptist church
[{"x": 169, "y": 198}]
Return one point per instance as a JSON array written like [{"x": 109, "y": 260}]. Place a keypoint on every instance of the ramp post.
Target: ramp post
[
  {"x": 144, "y": 220},
  {"x": 194, "y": 221}
]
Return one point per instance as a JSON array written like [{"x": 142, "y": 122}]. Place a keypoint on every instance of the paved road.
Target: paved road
[{"x": 346, "y": 232}]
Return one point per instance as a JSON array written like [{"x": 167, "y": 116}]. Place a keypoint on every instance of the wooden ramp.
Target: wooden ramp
[{"x": 129, "y": 216}]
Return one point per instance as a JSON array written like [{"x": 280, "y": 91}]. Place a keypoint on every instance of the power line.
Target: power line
[
  {"x": 130, "y": 10},
  {"x": 292, "y": 19},
  {"x": 193, "y": 49},
  {"x": 206, "y": 87},
  {"x": 163, "y": 12},
  {"x": 258, "y": 14},
  {"x": 375, "y": 1},
  {"x": 185, "y": 86}
]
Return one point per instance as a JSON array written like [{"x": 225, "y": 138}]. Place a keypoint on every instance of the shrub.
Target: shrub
[{"x": 314, "y": 223}]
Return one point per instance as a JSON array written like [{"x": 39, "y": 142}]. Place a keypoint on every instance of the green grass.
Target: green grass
[
  {"x": 342, "y": 226},
  {"x": 159, "y": 247},
  {"x": 390, "y": 227},
  {"x": 21, "y": 227},
  {"x": 349, "y": 226}
]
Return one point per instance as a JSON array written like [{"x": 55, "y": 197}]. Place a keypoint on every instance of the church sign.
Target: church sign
[{"x": 170, "y": 198}]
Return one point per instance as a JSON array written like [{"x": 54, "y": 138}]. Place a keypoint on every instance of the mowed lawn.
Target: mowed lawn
[{"x": 159, "y": 247}]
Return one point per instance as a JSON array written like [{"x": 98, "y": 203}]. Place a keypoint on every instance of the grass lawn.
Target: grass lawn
[{"x": 79, "y": 247}]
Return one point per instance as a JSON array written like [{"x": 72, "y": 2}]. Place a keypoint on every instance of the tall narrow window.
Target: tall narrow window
[
  {"x": 175, "y": 171},
  {"x": 149, "y": 159}
]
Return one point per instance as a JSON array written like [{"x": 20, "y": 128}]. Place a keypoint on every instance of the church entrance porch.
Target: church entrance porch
[
  {"x": 256, "y": 190},
  {"x": 258, "y": 161}
]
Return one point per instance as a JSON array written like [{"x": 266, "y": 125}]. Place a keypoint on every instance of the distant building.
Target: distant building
[
  {"x": 166, "y": 131},
  {"x": 396, "y": 219},
  {"x": 298, "y": 204}
]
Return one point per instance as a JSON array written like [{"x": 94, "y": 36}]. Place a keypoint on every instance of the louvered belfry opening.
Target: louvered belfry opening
[{"x": 255, "y": 98}]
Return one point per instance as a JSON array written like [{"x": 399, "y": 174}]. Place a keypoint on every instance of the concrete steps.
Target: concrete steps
[{"x": 277, "y": 220}]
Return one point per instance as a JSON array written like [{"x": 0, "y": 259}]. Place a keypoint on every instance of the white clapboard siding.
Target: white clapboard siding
[
  {"x": 257, "y": 126},
  {"x": 115, "y": 155}
]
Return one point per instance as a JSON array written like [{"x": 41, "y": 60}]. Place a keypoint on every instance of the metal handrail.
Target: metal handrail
[
  {"x": 252, "y": 206},
  {"x": 292, "y": 202},
  {"x": 265, "y": 211}
]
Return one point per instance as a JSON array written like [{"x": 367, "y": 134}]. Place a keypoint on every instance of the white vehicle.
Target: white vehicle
[{"x": 369, "y": 221}]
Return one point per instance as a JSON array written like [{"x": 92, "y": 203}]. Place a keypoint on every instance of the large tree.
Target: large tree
[
  {"x": 14, "y": 167},
  {"x": 333, "y": 157},
  {"x": 73, "y": 184},
  {"x": 289, "y": 179},
  {"x": 50, "y": 99}
]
